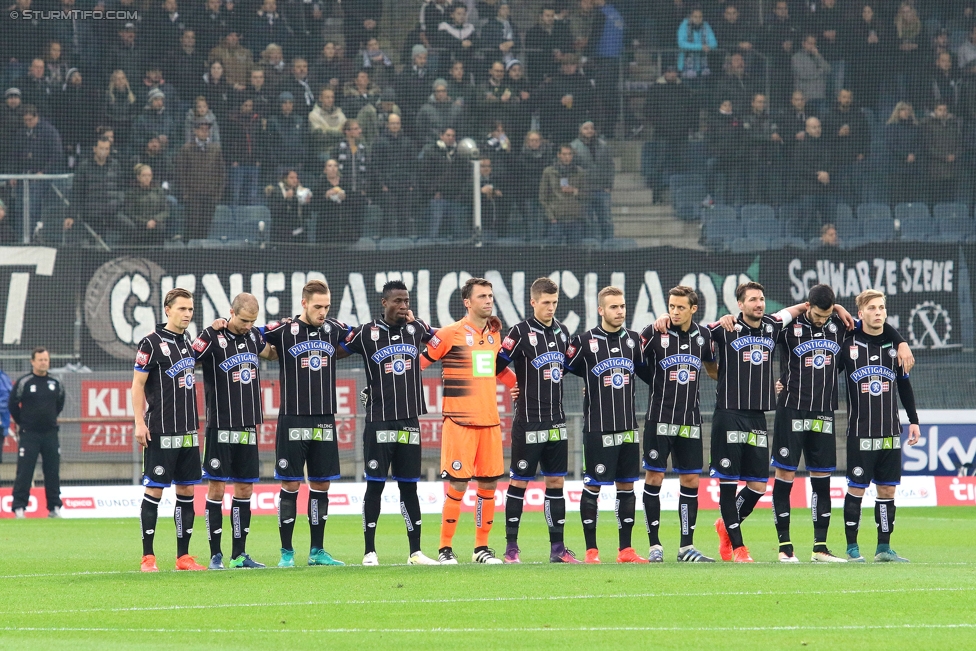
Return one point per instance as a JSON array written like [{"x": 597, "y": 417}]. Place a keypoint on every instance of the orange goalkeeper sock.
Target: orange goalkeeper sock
[
  {"x": 449, "y": 519},
  {"x": 484, "y": 516}
]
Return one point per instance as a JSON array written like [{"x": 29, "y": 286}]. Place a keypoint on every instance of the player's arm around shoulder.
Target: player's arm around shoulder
[
  {"x": 201, "y": 345},
  {"x": 342, "y": 331},
  {"x": 574, "y": 355},
  {"x": 439, "y": 345},
  {"x": 506, "y": 352}
]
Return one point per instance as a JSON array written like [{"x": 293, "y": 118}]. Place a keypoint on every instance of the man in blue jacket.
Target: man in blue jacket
[
  {"x": 606, "y": 69},
  {"x": 5, "y": 387}
]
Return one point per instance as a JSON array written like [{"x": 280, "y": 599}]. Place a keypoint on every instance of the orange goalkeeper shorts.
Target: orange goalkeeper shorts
[{"x": 471, "y": 452}]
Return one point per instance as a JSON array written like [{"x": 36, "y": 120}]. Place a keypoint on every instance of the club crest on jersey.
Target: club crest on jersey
[
  {"x": 594, "y": 346},
  {"x": 832, "y": 327},
  {"x": 199, "y": 345},
  {"x": 374, "y": 333},
  {"x": 142, "y": 358},
  {"x": 469, "y": 339},
  {"x": 186, "y": 380},
  {"x": 554, "y": 373},
  {"x": 665, "y": 341},
  {"x": 756, "y": 356},
  {"x": 875, "y": 386},
  {"x": 294, "y": 328},
  {"x": 398, "y": 366},
  {"x": 769, "y": 328},
  {"x": 700, "y": 340},
  {"x": 244, "y": 376},
  {"x": 533, "y": 338},
  {"x": 854, "y": 352},
  {"x": 682, "y": 375},
  {"x": 164, "y": 347},
  {"x": 314, "y": 362},
  {"x": 491, "y": 339},
  {"x": 617, "y": 380},
  {"x": 410, "y": 329},
  {"x": 327, "y": 328},
  {"x": 630, "y": 343},
  {"x": 798, "y": 330},
  {"x": 818, "y": 360},
  {"x": 892, "y": 353},
  {"x": 222, "y": 341}
]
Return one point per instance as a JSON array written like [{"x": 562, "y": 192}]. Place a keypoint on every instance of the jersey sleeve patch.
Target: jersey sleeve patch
[
  {"x": 570, "y": 350},
  {"x": 142, "y": 358},
  {"x": 199, "y": 345},
  {"x": 434, "y": 342},
  {"x": 508, "y": 343},
  {"x": 272, "y": 325}
]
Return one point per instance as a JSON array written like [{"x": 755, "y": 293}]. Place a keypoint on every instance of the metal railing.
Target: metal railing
[{"x": 28, "y": 229}]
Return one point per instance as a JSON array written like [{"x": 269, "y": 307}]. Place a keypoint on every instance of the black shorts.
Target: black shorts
[
  {"x": 396, "y": 444},
  {"x": 681, "y": 442},
  {"x": 539, "y": 444},
  {"x": 611, "y": 457},
  {"x": 306, "y": 445},
  {"x": 875, "y": 460},
  {"x": 171, "y": 459},
  {"x": 740, "y": 445},
  {"x": 230, "y": 455},
  {"x": 808, "y": 432}
]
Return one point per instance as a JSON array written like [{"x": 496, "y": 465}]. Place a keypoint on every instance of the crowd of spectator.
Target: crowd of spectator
[{"x": 176, "y": 107}]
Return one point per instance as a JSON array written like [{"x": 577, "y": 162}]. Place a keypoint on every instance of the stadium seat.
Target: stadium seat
[
  {"x": 687, "y": 201},
  {"x": 787, "y": 243},
  {"x": 749, "y": 245},
  {"x": 509, "y": 241},
  {"x": 171, "y": 245},
  {"x": 954, "y": 222},
  {"x": 873, "y": 211},
  {"x": 760, "y": 220},
  {"x": 620, "y": 244},
  {"x": 590, "y": 243},
  {"x": 678, "y": 181},
  {"x": 720, "y": 227},
  {"x": 365, "y": 244},
  {"x": 877, "y": 229},
  {"x": 432, "y": 241},
  {"x": 394, "y": 244},
  {"x": 211, "y": 243},
  {"x": 916, "y": 224},
  {"x": 249, "y": 220},
  {"x": 848, "y": 228},
  {"x": 373, "y": 221},
  {"x": 223, "y": 226}
]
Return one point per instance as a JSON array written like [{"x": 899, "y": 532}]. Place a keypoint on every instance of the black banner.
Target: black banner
[{"x": 117, "y": 296}]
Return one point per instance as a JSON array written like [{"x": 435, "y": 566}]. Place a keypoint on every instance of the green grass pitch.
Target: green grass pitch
[{"x": 74, "y": 585}]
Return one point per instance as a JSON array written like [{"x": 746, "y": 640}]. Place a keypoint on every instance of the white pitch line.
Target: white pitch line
[
  {"x": 388, "y": 602},
  {"x": 523, "y": 629}
]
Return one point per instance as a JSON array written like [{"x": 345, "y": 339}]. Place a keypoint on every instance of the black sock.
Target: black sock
[
  {"x": 820, "y": 511},
  {"x": 626, "y": 507},
  {"x": 555, "y": 507},
  {"x": 730, "y": 514},
  {"x": 688, "y": 514},
  {"x": 287, "y": 512},
  {"x": 318, "y": 513},
  {"x": 372, "y": 503},
  {"x": 652, "y": 513},
  {"x": 884, "y": 517},
  {"x": 240, "y": 518},
  {"x": 746, "y": 501},
  {"x": 215, "y": 524},
  {"x": 514, "y": 502},
  {"x": 852, "y": 517},
  {"x": 147, "y": 518},
  {"x": 589, "y": 514},
  {"x": 183, "y": 517},
  {"x": 410, "y": 510},
  {"x": 781, "y": 514}
]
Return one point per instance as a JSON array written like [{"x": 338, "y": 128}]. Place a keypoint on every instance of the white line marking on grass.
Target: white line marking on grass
[
  {"x": 524, "y": 629},
  {"x": 380, "y": 602}
]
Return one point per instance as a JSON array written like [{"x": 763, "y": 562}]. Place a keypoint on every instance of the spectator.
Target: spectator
[
  {"x": 828, "y": 238},
  {"x": 153, "y": 79},
  {"x": 35, "y": 88},
  {"x": 585, "y": 22},
  {"x": 520, "y": 115},
  {"x": 810, "y": 74},
  {"x": 499, "y": 36},
  {"x": 734, "y": 33},
  {"x": 287, "y": 200},
  {"x": 325, "y": 123},
  {"x": 56, "y": 66},
  {"x": 77, "y": 37},
  {"x": 164, "y": 172},
  {"x": 202, "y": 176},
  {"x": 236, "y": 59},
  {"x": 305, "y": 20},
  {"x": 560, "y": 194},
  {"x": 727, "y": 156},
  {"x": 11, "y": 117},
  {"x": 353, "y": 158},
  {"x": 75, "y": 126},
  {"x": 536, "y": 155},
  {"x": 145, "y": 210},
  {"x": 287, "y": 133},
  {"x": 446, "y": 180},
  {"x": 781, "y": 40},
  {"x": 943, "y": 85},
  {"x": 374, "y": 117},
  {"x": 217, "y": 91},
  {"x": 361, "y": 21},
  {"x": 210, "y": 24},
  {"x": 870, "y": 45},
  {"x": 376, "y": 63},
  {"x": 21, "y": 40},
  {"x": 185, "y": 66},
  {"x": 327, "y": 69},
  {"x": 128, "y": 55},
  {"x": 96, "y": 196},
  {"x": 200, "y": 111},
  {"x": 394, "y": 162},
  {"x": 593, "y": 155},
  {"x": 276, "y": 73},
  {"x": 260, "y": 94},
  {"x": 461, "y": 89},
  {"x": 5, "y": 384},
  {"x": 359, "y": 93},
  {"x": 902, "y": 136},
  {"x": 494, "y": 97},
  {"x": 695, "y": 40},
  {"x": 166, "y": 26},
  {"x": 545, "y": 45},
  {"x": 495, "y": 205},
  {"x": 793, "y": 123},
  {"x": 332, "y": 221},
  {"x": 7, "y": 237},
  {"x": 849, "y": 135},
  {"x": 267, "y": 27},
  {"x": 154, "y": 122},
  {"x": 765, "y": 151},
  {"x": 456, "y": 38},
  {"x": 244, "y": 153},
  {"x": 942, "y": 144},
  {"x": 413, "y": 84},
  {"x": 813, "y": 180},
  {"x": 828, "y": 24},
  {"x": 736, "y": 85},
  {"x": 432, "y": 14},
  {"x": 36, "y": 146},
  {"x": 300, "y": 87},
  {"x": 438, "y": 114},
  {"x": 605, "y": 63},
  {"x": 672, "y": 111},
  {"x": 966, "y": 54},
  {"x": 567, "y": 101},
  {"x": 908, "y": 57}
]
